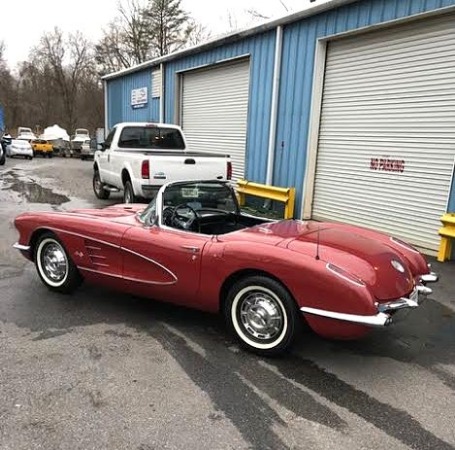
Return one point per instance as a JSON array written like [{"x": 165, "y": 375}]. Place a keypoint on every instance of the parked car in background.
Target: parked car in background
[
  {"x": 19, "y": 147},
  {"x": 80, "y": 136},
  {"x": 193, "y": 246},
  {"x": 25, "y": 133},
  {"x": 42, "y": 147},
  {"x": 88, "y": 148}
]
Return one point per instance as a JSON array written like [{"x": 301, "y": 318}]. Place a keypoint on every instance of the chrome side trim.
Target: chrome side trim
[
  {"x": 125, "y": 250},
  {"x": 378, "y": 320},
  {"x": 83, "y": 236},
  {"x": 431, "y": 277},
  {"x": 22, "y": 248},
  {"x": 156, "y": 263}
]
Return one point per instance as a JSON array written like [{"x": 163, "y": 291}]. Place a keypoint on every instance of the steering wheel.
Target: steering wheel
[
  {"x": 167, "y": 215},
  {"x": 183, "y": 221}
]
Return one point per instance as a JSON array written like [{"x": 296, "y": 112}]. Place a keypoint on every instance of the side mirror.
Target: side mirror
[{"x": 103, "y": 146}]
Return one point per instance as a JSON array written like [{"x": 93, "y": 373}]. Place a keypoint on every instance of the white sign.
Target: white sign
[{"x": 139, "y": 97}]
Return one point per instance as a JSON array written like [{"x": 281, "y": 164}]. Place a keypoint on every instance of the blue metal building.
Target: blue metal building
[{"x": 351, "y": 101}]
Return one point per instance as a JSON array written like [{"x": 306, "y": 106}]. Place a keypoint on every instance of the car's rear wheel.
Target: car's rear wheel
[
  {"x": 98, "y": 187},
  {"x": 128, "y": 193},
  {"x": 54, "y": 266},
  {"x": 262, "y": 314}
]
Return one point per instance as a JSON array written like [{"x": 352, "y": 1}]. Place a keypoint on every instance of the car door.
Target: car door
[{"x": 163, "y": 263}]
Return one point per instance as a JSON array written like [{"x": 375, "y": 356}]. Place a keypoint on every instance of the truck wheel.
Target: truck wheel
[
  {"x": 98, "y": 187},
  {"x": 128, "y": 193}
]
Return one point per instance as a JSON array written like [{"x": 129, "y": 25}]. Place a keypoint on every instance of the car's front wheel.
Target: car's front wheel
[
  {"x": 98, "y": 187},
  {"x": 262, "y": 314},
  {"x": 54, "y": 266}
]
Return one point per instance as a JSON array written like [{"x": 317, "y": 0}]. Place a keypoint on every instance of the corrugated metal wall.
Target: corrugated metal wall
[
  {"x": 261, "y": 49},
  {"x": 155, "y": 110},
  {"x": 299, "y": 42},
  {"x": 297, "y": 75},
  {"x": 119, "y": 93}
]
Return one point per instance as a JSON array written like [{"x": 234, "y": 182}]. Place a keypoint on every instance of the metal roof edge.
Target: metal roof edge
[{"x": 232, "y": 37}]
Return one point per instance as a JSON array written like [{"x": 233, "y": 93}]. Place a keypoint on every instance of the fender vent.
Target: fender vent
[{"x": 97, "y": 253}]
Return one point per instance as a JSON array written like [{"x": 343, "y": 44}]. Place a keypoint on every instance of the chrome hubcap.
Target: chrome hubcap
[
  {"x": 261, "y": 316},
  {"x": 54, "y": 262}
]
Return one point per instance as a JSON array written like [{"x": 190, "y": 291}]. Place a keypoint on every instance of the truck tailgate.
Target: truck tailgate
[{"x": 190, "y": 166}]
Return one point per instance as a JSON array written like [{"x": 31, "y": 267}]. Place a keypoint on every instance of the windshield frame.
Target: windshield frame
[{"x": 146, "y": 218}]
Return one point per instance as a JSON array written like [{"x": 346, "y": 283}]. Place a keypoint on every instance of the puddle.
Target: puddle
[{"x": 31, "y": 191}]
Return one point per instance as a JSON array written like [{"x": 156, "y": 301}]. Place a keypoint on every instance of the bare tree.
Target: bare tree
[
  {"x": 71, "y": 62},
  {"x": 8, "y": 90},
  {"x": 256, "y": 15},
  {"x": 126, "y": 41},
  {"x": 198, "y": 34}
]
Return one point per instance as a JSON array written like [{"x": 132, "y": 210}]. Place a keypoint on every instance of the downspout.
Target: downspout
[
  {"x": 162, "y": 94},
  {"x": 106, "y": 122},
  {"x": 274, "y": 106}
]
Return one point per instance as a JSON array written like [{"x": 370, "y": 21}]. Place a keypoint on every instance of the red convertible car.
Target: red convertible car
[{"x": 192, "y": 246}]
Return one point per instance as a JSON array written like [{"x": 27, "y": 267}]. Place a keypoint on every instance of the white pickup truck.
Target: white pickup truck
[{"x": 138, "y": 158}]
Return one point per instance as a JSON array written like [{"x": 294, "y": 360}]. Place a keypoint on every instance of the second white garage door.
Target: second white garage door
[
  {"x": 214, "y": 110},
  {"x": 387, "y": 133}
]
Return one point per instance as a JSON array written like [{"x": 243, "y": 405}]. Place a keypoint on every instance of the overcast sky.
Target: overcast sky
[{"x": 27, "y": 20}]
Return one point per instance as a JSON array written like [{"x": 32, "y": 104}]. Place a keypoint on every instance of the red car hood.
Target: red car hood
[
  {"x": 111, "y": 212},
  {"x": 363, "y": 258}
]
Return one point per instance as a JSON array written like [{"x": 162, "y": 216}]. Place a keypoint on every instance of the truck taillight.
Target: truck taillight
[
  {"x": 229, "y": 170},
  {"x": 145, "y": 169}
]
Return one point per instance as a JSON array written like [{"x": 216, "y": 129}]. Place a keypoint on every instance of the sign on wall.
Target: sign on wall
[{"x": 139, "y": 97}]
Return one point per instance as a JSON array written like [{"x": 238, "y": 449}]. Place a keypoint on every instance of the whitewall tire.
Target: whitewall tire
[
  {"x": 262, "y": 315},
  {"x": 54, "y": 266}
]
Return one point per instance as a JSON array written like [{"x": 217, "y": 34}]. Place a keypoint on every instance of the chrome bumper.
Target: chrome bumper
[
  {"x": 429, "y": 277},
  {"x": 22, "y": 248},
  {"x": 385, "y": 310}
]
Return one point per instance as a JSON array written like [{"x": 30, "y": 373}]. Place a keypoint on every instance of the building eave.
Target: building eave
[{"x": 232, "y": 37}]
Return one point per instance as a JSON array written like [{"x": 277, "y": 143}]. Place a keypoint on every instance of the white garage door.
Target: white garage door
[
  {"x": 214, "y": 111},
  {"x": 387, "y": 134}
]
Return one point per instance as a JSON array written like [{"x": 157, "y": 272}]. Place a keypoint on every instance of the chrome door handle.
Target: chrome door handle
[{"x": 191, "y": 248}]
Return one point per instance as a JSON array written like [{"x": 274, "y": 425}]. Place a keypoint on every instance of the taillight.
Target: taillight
[
  {"x": 145, "y": 169},
  {"x": 229, "y": 170}
]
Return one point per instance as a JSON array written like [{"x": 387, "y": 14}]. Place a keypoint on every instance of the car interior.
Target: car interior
[{"x": 207, "y": 208}]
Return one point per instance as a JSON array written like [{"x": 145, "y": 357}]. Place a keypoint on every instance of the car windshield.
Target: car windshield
[
  {"x": 153, "y": 138},
  {"x": 199, "y": 195}
]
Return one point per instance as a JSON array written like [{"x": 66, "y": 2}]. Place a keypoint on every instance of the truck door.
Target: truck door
[{"x": 104, "y": 158}]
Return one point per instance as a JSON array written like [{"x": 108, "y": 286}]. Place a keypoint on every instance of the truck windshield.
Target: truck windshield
[{"x": 152, "y": 138}]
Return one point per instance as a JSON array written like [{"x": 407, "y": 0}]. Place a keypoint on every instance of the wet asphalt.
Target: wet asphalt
[{"x": 103, "y": 370}]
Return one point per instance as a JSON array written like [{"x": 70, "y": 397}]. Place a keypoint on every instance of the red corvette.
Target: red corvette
[{"x": 192, "y": 246}]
